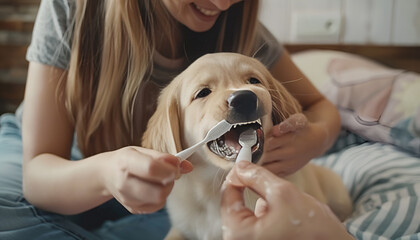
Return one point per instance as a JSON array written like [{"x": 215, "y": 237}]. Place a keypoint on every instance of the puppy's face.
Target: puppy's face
[{"x": 216, "y": 87}]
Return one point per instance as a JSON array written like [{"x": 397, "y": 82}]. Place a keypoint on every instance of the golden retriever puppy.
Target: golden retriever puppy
[{"x": 241, "y": 90}]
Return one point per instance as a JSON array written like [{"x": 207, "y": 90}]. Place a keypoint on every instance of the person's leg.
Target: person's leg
[
  {"x": 18, "y": 218},
  {"x": 153, "y": 226}
]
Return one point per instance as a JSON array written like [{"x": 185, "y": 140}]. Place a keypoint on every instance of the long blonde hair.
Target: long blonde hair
[{"x": 112, "y": 55}]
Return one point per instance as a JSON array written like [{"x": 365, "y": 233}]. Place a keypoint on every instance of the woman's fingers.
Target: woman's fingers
[
  {"x": 293, "y": 123},
  {"x": 273, "y": 143},
  {"x": 138, "y": 195},
  {"x": 186, "y": 166},
  {"x": 237, "y": 220},
  {"x": 257, "y": 178},
  {"x": 149, "y": 165},
  {"x": 233, "y": 206},
  {"x": 261, "y": 207},
  {"x": 285, "y": 132}
]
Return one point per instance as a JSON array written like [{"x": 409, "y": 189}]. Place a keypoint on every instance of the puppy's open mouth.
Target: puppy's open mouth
[{"x": 227, "y": 146}]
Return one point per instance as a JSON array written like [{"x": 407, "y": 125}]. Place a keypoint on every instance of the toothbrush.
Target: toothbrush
[
  {"x": 247, "y": 139},
  {"x": 215, "y": 132}
]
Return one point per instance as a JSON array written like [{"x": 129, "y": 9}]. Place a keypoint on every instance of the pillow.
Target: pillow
[{"x": 376, "y": 102}]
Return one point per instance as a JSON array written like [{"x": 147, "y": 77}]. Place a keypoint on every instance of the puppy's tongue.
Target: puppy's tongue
[{"x": 231, "y": 138}]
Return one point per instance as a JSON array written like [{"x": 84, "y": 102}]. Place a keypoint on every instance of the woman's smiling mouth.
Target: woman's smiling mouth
[{"x": 207, "y": 12}]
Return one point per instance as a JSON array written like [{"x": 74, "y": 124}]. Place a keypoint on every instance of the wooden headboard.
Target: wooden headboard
[{"x": 403, "y": 57}]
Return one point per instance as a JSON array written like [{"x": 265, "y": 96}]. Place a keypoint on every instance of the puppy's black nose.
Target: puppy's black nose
[
  {"x": 243, "y": 106},
  {"x": 243, "y": 102}
]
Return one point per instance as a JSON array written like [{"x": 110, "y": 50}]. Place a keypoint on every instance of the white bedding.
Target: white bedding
[{"x": 382, "y": 175}]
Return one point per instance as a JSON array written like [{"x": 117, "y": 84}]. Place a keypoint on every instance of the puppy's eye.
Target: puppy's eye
[
  {"x": 203, "y": 93},
  {"x": 254, "y": 81}
]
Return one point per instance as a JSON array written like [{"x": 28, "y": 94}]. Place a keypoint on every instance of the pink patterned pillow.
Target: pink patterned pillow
[{"x": 376, "y": 102}]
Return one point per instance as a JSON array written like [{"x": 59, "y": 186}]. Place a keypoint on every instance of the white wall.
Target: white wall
[{"x": 381, "y": 22}]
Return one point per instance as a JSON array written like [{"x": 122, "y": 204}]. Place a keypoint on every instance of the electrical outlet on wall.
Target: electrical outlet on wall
[{"x": 317, "y": 26}]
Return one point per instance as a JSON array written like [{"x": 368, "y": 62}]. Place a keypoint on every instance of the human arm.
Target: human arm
[
  {"x": 282, "y": 212},
  {"x": 138, "y": 178},
  {"x": 294, "y": 142}
]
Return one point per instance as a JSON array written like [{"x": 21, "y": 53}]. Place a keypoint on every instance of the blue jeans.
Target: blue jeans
[{"x": 21, "y": 220}]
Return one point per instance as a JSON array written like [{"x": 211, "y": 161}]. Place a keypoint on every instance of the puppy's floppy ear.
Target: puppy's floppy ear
[
  {"x": 163, "y": 129},
  {"x": 284, "y": 104}
]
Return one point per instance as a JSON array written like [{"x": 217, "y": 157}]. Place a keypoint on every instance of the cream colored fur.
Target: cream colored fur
[{"x": 181, "y": 120}]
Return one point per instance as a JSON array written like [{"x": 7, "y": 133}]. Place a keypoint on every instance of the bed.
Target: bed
[{"x": 378, "y": 150}]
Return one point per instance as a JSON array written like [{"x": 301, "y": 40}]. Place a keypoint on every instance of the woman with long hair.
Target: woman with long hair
[{"x": 71, "y": 166}]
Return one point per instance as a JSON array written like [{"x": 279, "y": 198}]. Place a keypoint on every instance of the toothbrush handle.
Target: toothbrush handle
[
  {"x": 244, "y": 154},
  {"x": 186, "y": 153}
]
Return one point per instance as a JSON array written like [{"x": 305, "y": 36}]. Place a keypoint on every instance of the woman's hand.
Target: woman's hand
[
  {"x": 303, "y": 136},
  {"x": 141, "y": 179},
  {"x": 292, "y": 144},
  {"x": 282, "y": 212}
]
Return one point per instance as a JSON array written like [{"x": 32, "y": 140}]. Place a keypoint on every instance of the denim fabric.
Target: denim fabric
[{"x": 21, "y": 220}]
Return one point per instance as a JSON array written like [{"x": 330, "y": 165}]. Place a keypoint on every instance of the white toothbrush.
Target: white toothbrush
[
  {"x": 215, "y": 132},
  {"x": 247, "y": 139}
]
